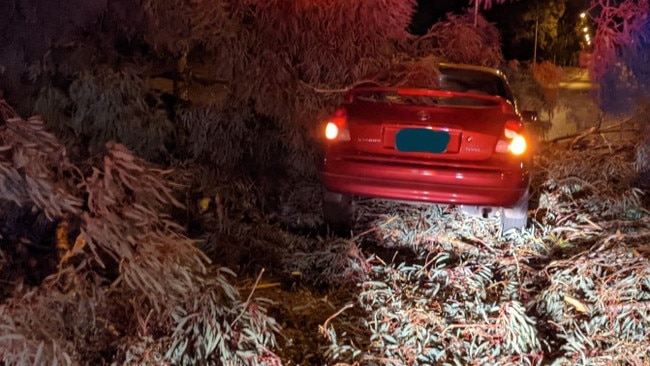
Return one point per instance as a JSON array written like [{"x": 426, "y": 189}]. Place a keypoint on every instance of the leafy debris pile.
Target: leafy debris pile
[
  {"x": 424, "y": 285},
  {"x": 574, "y": 288},
  {"x": 127, "y": 285}
]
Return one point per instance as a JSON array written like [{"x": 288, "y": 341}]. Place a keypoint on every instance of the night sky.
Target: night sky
[{"x": 431, "y": 11}]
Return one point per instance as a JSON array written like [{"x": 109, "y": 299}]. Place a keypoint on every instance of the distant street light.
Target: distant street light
[{"x": 585, "y": 29}]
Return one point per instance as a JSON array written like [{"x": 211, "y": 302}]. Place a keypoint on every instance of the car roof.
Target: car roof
[
  {"x": 484, "y": 69},
  {"x": 487, "y": 69}
]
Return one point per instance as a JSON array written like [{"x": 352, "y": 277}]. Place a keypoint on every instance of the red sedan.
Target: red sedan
[{"x": 462, "y": 143}]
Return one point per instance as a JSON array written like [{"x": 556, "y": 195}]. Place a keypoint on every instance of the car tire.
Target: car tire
[
  {"x": 515, "y": 217},
  {"x": 338, "y": 211}
]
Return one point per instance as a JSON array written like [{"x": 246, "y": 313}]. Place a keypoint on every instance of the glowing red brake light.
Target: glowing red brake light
[
  {"x": 514, "y": 126},
  {"x": 336, "y": 128},
  {"x": 513, "y": 141}
]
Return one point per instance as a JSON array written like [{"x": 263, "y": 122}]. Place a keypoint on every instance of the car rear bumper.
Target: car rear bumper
[{"x": 426, "y": 183}]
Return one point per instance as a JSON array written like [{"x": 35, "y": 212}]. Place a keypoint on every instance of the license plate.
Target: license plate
[{"x": 421, "y": 140}]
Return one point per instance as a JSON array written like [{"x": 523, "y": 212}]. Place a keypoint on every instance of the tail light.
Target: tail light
[
  {"x": 513, "y": 141},
  {"x": 337, "y": 126}
]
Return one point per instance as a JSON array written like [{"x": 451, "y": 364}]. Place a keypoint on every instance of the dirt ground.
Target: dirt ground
[{"x": 301, "y": 311}]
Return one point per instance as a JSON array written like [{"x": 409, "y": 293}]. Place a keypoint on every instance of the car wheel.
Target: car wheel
[
  {"x": 515, "y": 217},
  {"x": 338, "y": 211}
]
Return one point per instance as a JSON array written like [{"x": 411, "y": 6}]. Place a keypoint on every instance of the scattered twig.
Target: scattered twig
[
  {"x": 248, "y": 300},
  {"x": 262, "y": 286},
  {"x": 620, "y": 224},
  {"x": 592, "y": 130},
  {"x": 336, "y": 90},
  {"x": 464, "y": 326},
  {"x": 638, "y": 306},
  {"x": 323, "y": 328},
  {"x": 474, "y": 239},
  {"x": 580, "y": 181},
  {"x": 593, "y": 225},
  {"x": 358, "y": 236}
]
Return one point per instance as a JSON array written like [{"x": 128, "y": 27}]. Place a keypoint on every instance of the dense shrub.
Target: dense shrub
[
  {"x": 621, "y": 48},
  {"x": 106, "y": 105},
  {"x": 124, "y": 264},
  {"x": 621, "y": 51},
  {"x": 466, "y": 38}
]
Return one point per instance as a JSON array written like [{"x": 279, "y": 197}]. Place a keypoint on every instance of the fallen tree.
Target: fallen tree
[{"x": 128, "y": 281}]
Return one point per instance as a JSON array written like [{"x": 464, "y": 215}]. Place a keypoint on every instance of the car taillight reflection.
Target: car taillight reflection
[
  {"x": 518, "y": 145},
  {"x": 331, "y": 131},
  {"x": 337, "y": 126},
  {"x": 514, "y": 142}
]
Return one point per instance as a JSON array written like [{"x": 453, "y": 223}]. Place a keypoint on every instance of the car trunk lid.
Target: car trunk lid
[{"x": 426, "y": 123}]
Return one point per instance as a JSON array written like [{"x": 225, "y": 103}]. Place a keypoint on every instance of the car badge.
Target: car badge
[{"x": 423, "y": 116}]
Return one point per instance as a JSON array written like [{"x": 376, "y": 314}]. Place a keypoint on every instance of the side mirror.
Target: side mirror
[{"x": 529, "y": 116}]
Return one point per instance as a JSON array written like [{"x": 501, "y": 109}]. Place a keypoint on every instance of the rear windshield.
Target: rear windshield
[
  {"x": 473, "y": 81},
  {"x": 424, "y": 100},
  {"x": 450, "y": 79}
]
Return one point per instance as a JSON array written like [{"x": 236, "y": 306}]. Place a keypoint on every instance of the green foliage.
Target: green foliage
[
  {"x": 217, "y": 137},
  {"x": 529, "y": 93},
  {"x": 486, "y": 4},
  {"x": 620, "y": 61},
  {"x": 105, "y": 105},
  {"x": 36, "y": 33},
  {"x": 259, "y": 56},
  {"x": 126, "y": 247},
  {"x": 233, "y": 213},
  {"x": 613, "y": 288},
  {"x": 642, "y": 161},
  {"x": 126, "y": 220},
  {"x": 194, "y": 24},
  {"x": 620, "y": 66},
  {"x": 547, "y": 16},
  {"x": 45, "y": 326},
  {"x": 549, "y": 23},
  {"x": 29, "y": 161},
  {"x": 457, "y": 301},
  {"x": 466, "y": 38},
  {"x": 198, "y": 332}
]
